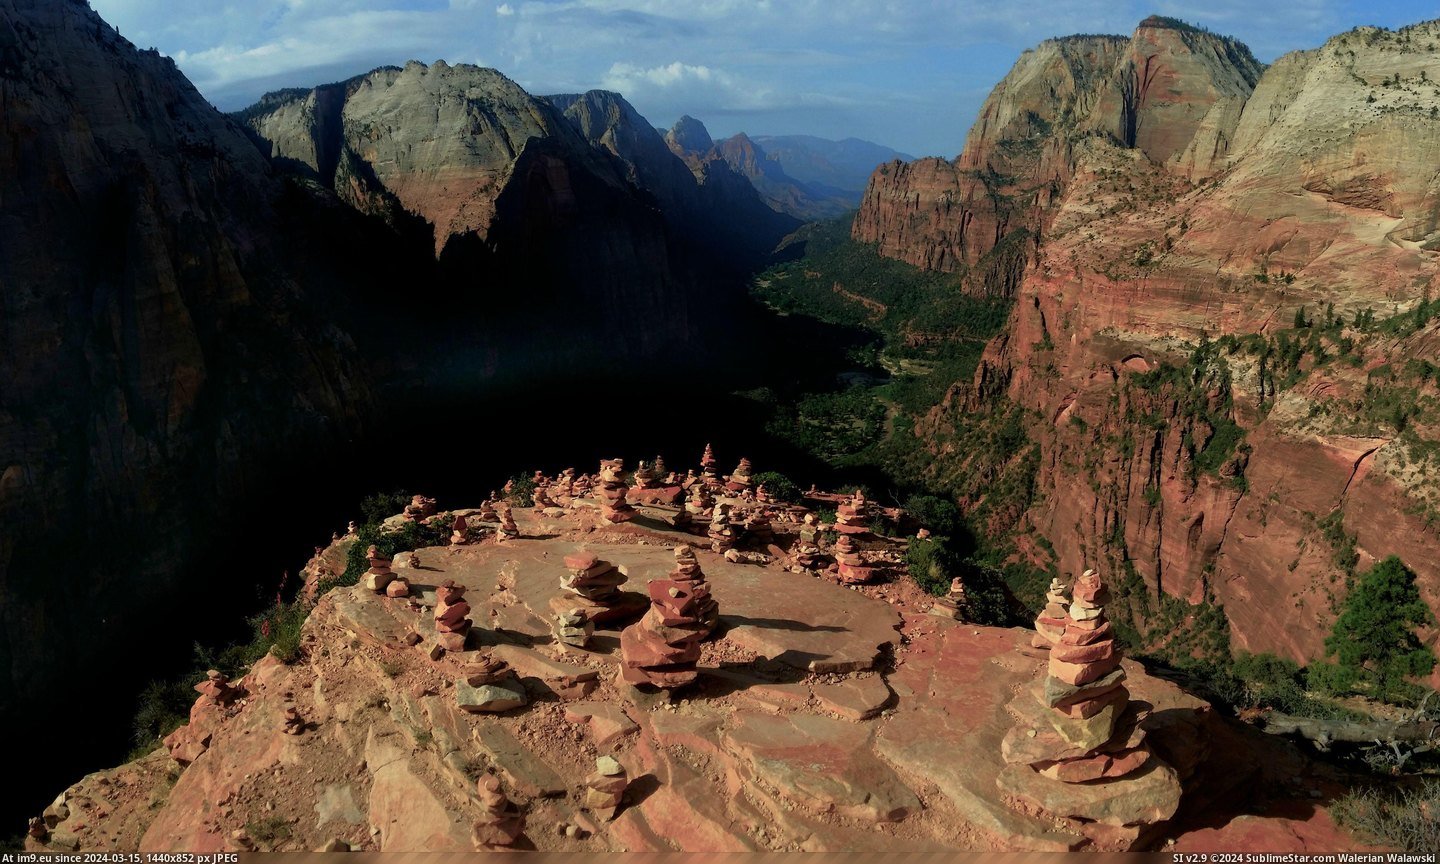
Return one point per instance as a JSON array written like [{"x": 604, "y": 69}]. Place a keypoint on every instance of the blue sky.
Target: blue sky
[{"x": 907, "y": 73}]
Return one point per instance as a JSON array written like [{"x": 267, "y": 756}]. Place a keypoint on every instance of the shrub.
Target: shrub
[
  {"x": 1374, "y": 639},
  {"x": 780, "y": 487},
  {"x": 931, "y": 565},
  {"x": 939, "y": 515},
  {"x": 1409, "y": 819},
  {"x": 522, "y": 491}
]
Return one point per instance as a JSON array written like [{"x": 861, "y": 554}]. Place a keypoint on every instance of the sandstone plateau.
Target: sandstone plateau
[
  {"x": 823, "y": 717},
  {"x": 1140, "y": 197}
]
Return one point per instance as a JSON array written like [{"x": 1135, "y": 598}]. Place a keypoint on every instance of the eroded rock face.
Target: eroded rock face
[
  {"x": 1229, "y": 215},
  {"x": 160, "y": 338}
]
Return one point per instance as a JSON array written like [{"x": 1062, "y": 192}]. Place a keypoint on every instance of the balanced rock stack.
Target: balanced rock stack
[
  {"x": 540, "y": 498},
  {"x": 605, "y": 789},
  {"x": 501, "y": 823},
  {"x": 217, "y": 688},
  {"x": 661, "y": 649},
  {"x": 849, "y": 564},
  {"x": 810, "y": 529},
  {"x": 699, "y": 503},
  {"x": 1079, "y": 752},
  {"x": 379, "y": 575},
  {"x": 687, "y": 573},
  {"x": 458, "y": 528},
  {"x": 566, "y": 486},
  {"x": 709, "y": 473},
  {"x": 683, "y": 518},
  {"x": 952, "y": 605},
  {"x": 508, "y": 530},
  {"x": 573, "y": 628},
  {"x": 850, "y": 516},
  {"x": 762, "y": 494},
  {"x": 740, "y": 481},
  {"x": 614, "y": 509},
  {"x": 582, "y": 486},
  {"x": 489, "y": 686},
  {"x": 487, "y": 508},
  {"x": 292, "y": 723},
  {"x": 1050, "y": 623},
  {"x": 723, "y": 535},
  {"x": 758, "y": 529},
  {"x": 594, "y": 588},
  {"x": 804, "y": 557},
  {"x": 419, "y": 508},
  {"x": 644, "y": 476},
  {"x": 452, "y": 621}
]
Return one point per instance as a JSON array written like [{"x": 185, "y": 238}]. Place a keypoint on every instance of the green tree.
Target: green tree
[{"x": 1374, "y": 641}]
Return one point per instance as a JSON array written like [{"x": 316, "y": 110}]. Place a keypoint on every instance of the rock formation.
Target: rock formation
[
  {"x": 501, "y": 823},
  {"x": 379, "y": 575},
  {"x": 508, "y": 530},
  {"x": 487, "y": 509},
  {"x": 850, "y": 565},
  {"x": 574, "y": 628},
  {"x": 722, "y": 533},
  {"x": 1078, "y": 752},
  {"x": 709, "y": 470},
  {"x": 952, "y": 605},
  {"x": 419, "y": 508},
  {"x": 1050, "y": 623},
  {"x": 594, "y": 587},
  {"x": 217, "y": 688},
  {"x": 489, "y": 686},
  {"x": 459, "y": 529},
  {"x": 614, "y": 509},
  {"x": 758, "y": 529},
  {"x": 452, "y": 621},
  {"x": 293, "y": 723},
  {"x": 740, "y": 480},
  {"x": 687, "y": 573},
  {"x": 661, "y": 648},
  {"x": 605, "y": 788},
  {"x": 851, "y": 517}
]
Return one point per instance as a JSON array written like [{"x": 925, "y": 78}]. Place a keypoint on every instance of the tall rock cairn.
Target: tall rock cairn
[
  {"x": 687, "y": 573},
  {"x": 614, "y": 509},
  {"x": 709, "y": 473},
  {"x": 452, "y": 616},
  {"x": 1050, "y": 623},
  {"x": 661, "y": 649}
]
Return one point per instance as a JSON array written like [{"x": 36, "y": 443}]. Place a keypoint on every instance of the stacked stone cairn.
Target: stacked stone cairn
[
  {"x": 804, "y": 557},
  {"x": 489, "y": 686},
  {"x": 722, "y": 533},
  {"x": 419, "y": 508},
  {"x": 687, "y": 573},
  {"x": 614, "y": 509},
  {"x": 810, "y": 529},
  {"x": 582, "y": 486},
  {"x": 508, "y": 530},
  {"x": 292, "y": 722},
  {"x": 605, "y": 789},
  {"x": 540, "y": 498},
  {"x": 217, "y": 688},
  {"x": 709, "y": 473},
  {"x": 566, "y": 485},
  {"x": 1050, "y": 623},
  {"x": 850, "y": 565},
  {"x": 501, "y": 823},
  {"x": 574, "y": 628},
  {"x": 487, "y": 508},
  {"x": 758, "y": 529},
  {"x": 1081, "y": 728},
  {"x": 644, "y": 476},
  {"x": 459, "y": 527},
  {"x": 762, "y": 494},
  {"x": 850, "y": 516},
  {"x": 700, "y": 503},
  {"x": 661, "y": 649},
  {"x": 683, "y": 518},
  {"x": 379, "y": 576},
  {"x": 952, "y": 605},
  {"x": 740, "y": 481},
  {"x": 593, "y": 585},
  {"x": 452, "y": 616}
]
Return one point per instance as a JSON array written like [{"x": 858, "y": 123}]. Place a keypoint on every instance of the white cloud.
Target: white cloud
[{"x": 504, "y": 10}]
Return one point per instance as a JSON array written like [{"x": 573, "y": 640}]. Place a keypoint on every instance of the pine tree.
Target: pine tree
[{"x": 1374, "y": 639}]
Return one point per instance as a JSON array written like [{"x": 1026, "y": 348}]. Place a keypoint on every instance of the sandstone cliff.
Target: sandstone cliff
[
  {"x": 1210, "y": 410},
  {"x": 1170, "y": 91},
  {"x": 166, "y": 331}
]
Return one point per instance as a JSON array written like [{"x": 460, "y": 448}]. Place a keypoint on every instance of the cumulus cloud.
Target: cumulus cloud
[{"x": 504, "y": 10}]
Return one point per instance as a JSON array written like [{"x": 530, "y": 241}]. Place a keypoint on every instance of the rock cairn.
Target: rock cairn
[
  {"x": 687, "y": 573},
  {"x": 594, "y": 588},
  {"x": 501, "y": 823},
  {"x": 952, "y": 605},
  {"x": 582, "y": 486},
  {"x": 566, "y": 485},
  {"x": 700, "y": 503},
  {"x": 804, "y": 557},
  {"x": 851, "y": 516},
  {"x": 217, "y": 688},
  {"x": 508, "y": 530},
  {"x": 614, "y": 509},
  {"x": 850, "y": 565},
  {"x": 540, "y": 498},
  {"x": 810, "y": 529},
  {"x": 709, "y": 473},
  {"x": 1050, "y": 623},
  {"x": 644, "y": 476},
  {"x": 458, "y": 528},
  {"x": 489, "y": 686},
  {"x": 759, "y": 530},
  {"x": 722, "y": 533},
  {"x": 293, "y": 723},
  {"x": 683, "y": 518},
  {"x": 419, "y": 508},
  {"x": 487, "y": 508},
  {"x": 452, "y": 616},
  {"x": 605, "y": 789},
  {"x": 740, "y": 480},
  {"x": 661, "y": 649},
  {"x": 379, "y": 575},
  {"x": 1079, "y": 727},
  {"x": 574, "y": 628}
]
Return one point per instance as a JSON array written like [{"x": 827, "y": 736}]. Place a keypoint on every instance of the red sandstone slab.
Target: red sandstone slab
[{"x": 855, "y": 698}]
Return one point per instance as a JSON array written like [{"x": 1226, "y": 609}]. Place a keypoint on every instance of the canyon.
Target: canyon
[{"x": 1167, "y": 215}]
